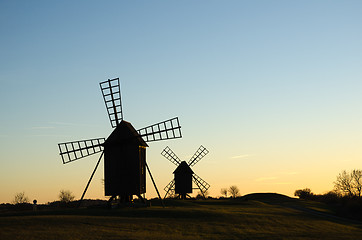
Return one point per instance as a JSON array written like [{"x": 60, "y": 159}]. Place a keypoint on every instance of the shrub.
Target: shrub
[{"x": 305, "y": 193}]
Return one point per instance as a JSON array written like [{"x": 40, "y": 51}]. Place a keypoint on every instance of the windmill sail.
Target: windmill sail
[
  {"x": 201, "y": 184},
  {"x": 112, "y": 98},
  {"x": 169, "y": 189},
  {"x": 168, "y": 129},
  {"x": 199, "y": 154},
  {"x": 171, "y": 156},
  {"x": 71, "y": 151}
]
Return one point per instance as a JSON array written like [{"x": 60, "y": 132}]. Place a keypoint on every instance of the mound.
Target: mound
[{"x": 268, "y": 197}]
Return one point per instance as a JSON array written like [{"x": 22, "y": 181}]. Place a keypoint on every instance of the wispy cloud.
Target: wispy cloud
[
  {"x": 43, "y": 127},
  {"x": 263, "y": 179},
  {"x": 269, "y": 180},
  {"x": 62, "y": 123},
  {"x": 48, "y": 135},
  {"x": 72, "y": 124},
  {"x": 242, "y": 156},
  {"x": 282, "y": 183},
  {"x": 278, "y": 178},
  {"x": 288, "y": 173}
]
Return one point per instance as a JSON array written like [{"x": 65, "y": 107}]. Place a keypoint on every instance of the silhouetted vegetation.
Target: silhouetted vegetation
[
  {"x": 234, "y": 191},
  {"x": 66, "y": 196},
  {"x": 305, "y": 193},
  {"x": 224, "y": 192},
  {"x": 20, "y": 198},
  {"x": 342, "y": 205},
  {"x": 345, "y": 199},
  {"x": 349, "y": 183}
]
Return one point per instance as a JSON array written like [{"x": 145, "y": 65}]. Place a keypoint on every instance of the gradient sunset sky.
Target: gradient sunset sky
[{"x": 271, "y": 88}]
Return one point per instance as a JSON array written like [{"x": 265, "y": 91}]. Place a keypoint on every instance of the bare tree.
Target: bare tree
[
  {"x": 349, "y": 184},
  {"x": 66, "y": 196},
  {"x": 20, "y": 198},
  {"x": 343, "y": 183},
  {"x": 357, "y": 181},
  {"x": 234, "y": 191},
  {"x": 224, "y": 192}
]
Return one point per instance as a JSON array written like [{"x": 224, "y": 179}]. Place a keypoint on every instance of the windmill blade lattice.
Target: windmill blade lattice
[
  {"x": 168, "y": 129},
  {"x": 171, "y": 156},
  {"x": 71, "y": 151},
  {"x": 121, "y": 180},
  {"x": 201, "y": 184},
  {"x": 169, "y": 188},
  {"x": 112, "y": 98},
  {"x": 199, "y": 154}
]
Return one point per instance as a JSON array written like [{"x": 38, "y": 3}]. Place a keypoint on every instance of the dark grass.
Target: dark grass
[{"x": 257, "y": 216}]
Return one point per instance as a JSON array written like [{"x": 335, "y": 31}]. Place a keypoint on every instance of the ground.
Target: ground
[{"x": 256, "y": 216}]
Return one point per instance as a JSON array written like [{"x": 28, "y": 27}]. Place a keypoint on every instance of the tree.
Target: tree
[
  {"x": 234, "y": 191},
  {"x": 349, "y": 184},
  {"x": 305, "y": 193},
  {"x": 66, "y": 196},
  {"x": 357, "y": 181},
  {"x": 20, "y": 198},
  {"x": 224, "y": 192}
]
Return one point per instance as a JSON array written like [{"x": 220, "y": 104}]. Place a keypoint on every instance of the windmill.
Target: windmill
[
  {"x": 124, "y": 150},
  {"x": 183, "y": 175}
]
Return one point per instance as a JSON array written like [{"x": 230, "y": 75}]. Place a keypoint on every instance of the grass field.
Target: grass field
[{"x": 256, "y": 216}]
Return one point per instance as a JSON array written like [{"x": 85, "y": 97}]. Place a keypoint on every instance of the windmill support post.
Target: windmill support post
[
  {"x": 183, "y": 171},
  {"x": 122, "y": 134},
  {"x": 154, "y": 184},
  {"x": 90, "y": 179}
]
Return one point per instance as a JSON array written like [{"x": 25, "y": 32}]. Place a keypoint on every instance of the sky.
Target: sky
[{"x": 271, "y": 88}]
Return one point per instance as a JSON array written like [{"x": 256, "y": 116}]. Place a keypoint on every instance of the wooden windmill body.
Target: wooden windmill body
[
  {"x": 124, "y": 150},
  {"x": 183, "y": 175},
  {"x": 183, "y": 179},
  {"x": 124, "y": 161}
]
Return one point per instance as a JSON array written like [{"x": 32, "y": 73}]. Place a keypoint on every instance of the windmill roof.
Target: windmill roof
[
  {"x": 183, "y": 168},
  {"x": 125, "y": 133}
]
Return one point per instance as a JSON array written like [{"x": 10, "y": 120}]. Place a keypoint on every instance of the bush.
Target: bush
[
  {"x": 305, "y": 193},
  {"x": 330, "y": 197}
]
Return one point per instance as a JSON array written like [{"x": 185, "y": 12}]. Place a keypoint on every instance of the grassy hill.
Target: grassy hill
[{"x": 254, "y": 216}]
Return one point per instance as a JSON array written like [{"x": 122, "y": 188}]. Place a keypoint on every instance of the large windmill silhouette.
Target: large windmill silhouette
[
  {"x": 183, "y": 175},
  {"x": 124, "y": 150}
]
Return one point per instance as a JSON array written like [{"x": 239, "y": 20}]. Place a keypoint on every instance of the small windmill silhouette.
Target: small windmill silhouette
[
  {"x": 183, "y": 175},
  {"x": 124, "y": 150}
]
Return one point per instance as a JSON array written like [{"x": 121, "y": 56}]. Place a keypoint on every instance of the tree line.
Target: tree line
[
  {"x": 345, "y": 199},
  {"x": 347, "y": 185},
  {"x": 65, "y": 196},
  {"x": 233, "y": 190}
]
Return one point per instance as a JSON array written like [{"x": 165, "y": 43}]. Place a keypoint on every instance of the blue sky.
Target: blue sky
[{"x": 270, "y": 88}]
